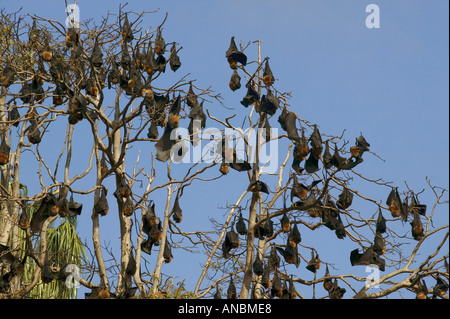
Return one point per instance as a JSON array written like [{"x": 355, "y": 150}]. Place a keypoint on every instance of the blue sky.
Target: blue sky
[{"x": 390, "y": 84}]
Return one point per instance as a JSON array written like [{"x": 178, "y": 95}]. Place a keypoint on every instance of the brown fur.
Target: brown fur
[
  {"x": 268, "y": 80},
  {"x": 326, "y": 285},
  {"x": 103, "y": 170},
  {"x": 158, "y": 49},
  {"x": 128, "y": 211},
  {"x": 4, "y": 81},
  {"x": 104, "y": 294},
  {"x": 148, "y": 69},
  {"x": 57, "y": 100},
  {"x": 395, "y": 211},
  {"x": 417, "y": 230},
  {"x": 105, "y": 211},
  {"x": 47, "y": 56},
  {"x": 286, "y": 227},
  {"x": 355, "y": 151},
  {"x": 233, "y": 86},
  {"x": 421, "y": 295},
  {"x": 233, "y": 63},
  {"x": 4, "y": 158},
  {"x": 93, "y": 90},
  {"x": 224, "y": 169},
  {"x": 173, "y": 121},
  {"x": 25, "y": 224}
]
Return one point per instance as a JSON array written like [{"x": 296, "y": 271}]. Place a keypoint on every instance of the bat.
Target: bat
[
  {"x": 217, "y": 293},
  {"x": 174, "y": 61},
  {"x": 368, "y": 257},
  {"x": 131, "y": 265},
  {"x": 126, "y": 31},
  {"x": 4, "y": 151},
  {"x": 345, "y": 199},
  {"x": 415, "y": 206},
  {"x": 287, "y": 121},
  {"x": 47, "y": 274},
  {"x": 267, "y": 228},
  {"x": 8, "y": 75},
  {"x": 165, "y": 144},
  {"x": 241, "y": 228},
  {"x": 316, "y": 142},
  {"x": 285, "y": 223},
  {"x": 268, "y": 77},
  {"x": 258, "y": 186},
  {"x": 417, "y": 227},
  {"x": 224, "y": 168},
  {"x": 339, "y": 227},
  {"x": 160, "y": 63},
  {"x": 381, "y": 223},
  {"x": 153, "y": 131},
  {"x": 290, "y": 254},
  {"x": 197, "y": 121},
  {"x": 74, "y": 207},
  {"x": 167, "y": 253},
  {"x": 274, "y": 259},
  {"x": 336, "y": 292},
  {"x": 72, "y": 37},
  {"x": 269, "y": 103},
  {"x": 360, "y": 147},
  {"x": 327, "y": 283},
  {"x": 97, "y": 56},
  {"x": 291, "y": 290},
  {"x": 327, "y": 157},
  {"x": 149, "y": 219},
  {"x": 123, "y": 190},
  {"x": 276, "y": 290},
  {"x": 422, "y": 291},
  {"x": 125, "y": 60},
  {"x": 177, "y": 212},
  {"x": 191, "y": 98},
  {"x": 440, "y": 288},
  {"x": 314, "y": 263},
  {"x": 258, "y": 267},
  {"x": 301, "y": 191},
  {"x": 160, "y": 43},
  {"x": 128, "y": 207},
  {"x": 379, "y": 245},
  {"x": 101, "y": 205},
  {"x": 337, "y": 160},
  {"x": 265, "y": 278},
  {"x": 47, "y": 53},
  {"x": 234, "y": 56},
  {"x": 235, "y": 81},
  {"x": 294, "y": 237},
  {"x": 251, "y": 97},
  {"x": 395, "y": 204},
  {"x": 231, "y": 291}
]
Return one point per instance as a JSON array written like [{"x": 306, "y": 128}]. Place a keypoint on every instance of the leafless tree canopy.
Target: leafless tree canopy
[{"x": 105, "y": 77}]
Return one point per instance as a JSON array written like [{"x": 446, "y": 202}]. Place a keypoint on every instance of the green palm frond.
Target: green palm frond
[{"x": 64, "y": 247}]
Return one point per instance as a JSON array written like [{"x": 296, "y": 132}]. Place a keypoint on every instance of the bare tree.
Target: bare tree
[{"x": 105, "y": 77}]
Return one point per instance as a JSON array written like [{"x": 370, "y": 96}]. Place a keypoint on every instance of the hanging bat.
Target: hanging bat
[
  {"x": 234, "y": 56},
  {"x": 177, "y": 212},
  {"x": 174, "y": 59},
  {"x": 268, "y": 77},
  {"x": 368, "y": 257},
  {"x": 235, "y": 81}
]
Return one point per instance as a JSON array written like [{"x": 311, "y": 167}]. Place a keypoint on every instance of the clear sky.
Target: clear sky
[{"x": 388, "y": 83}]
